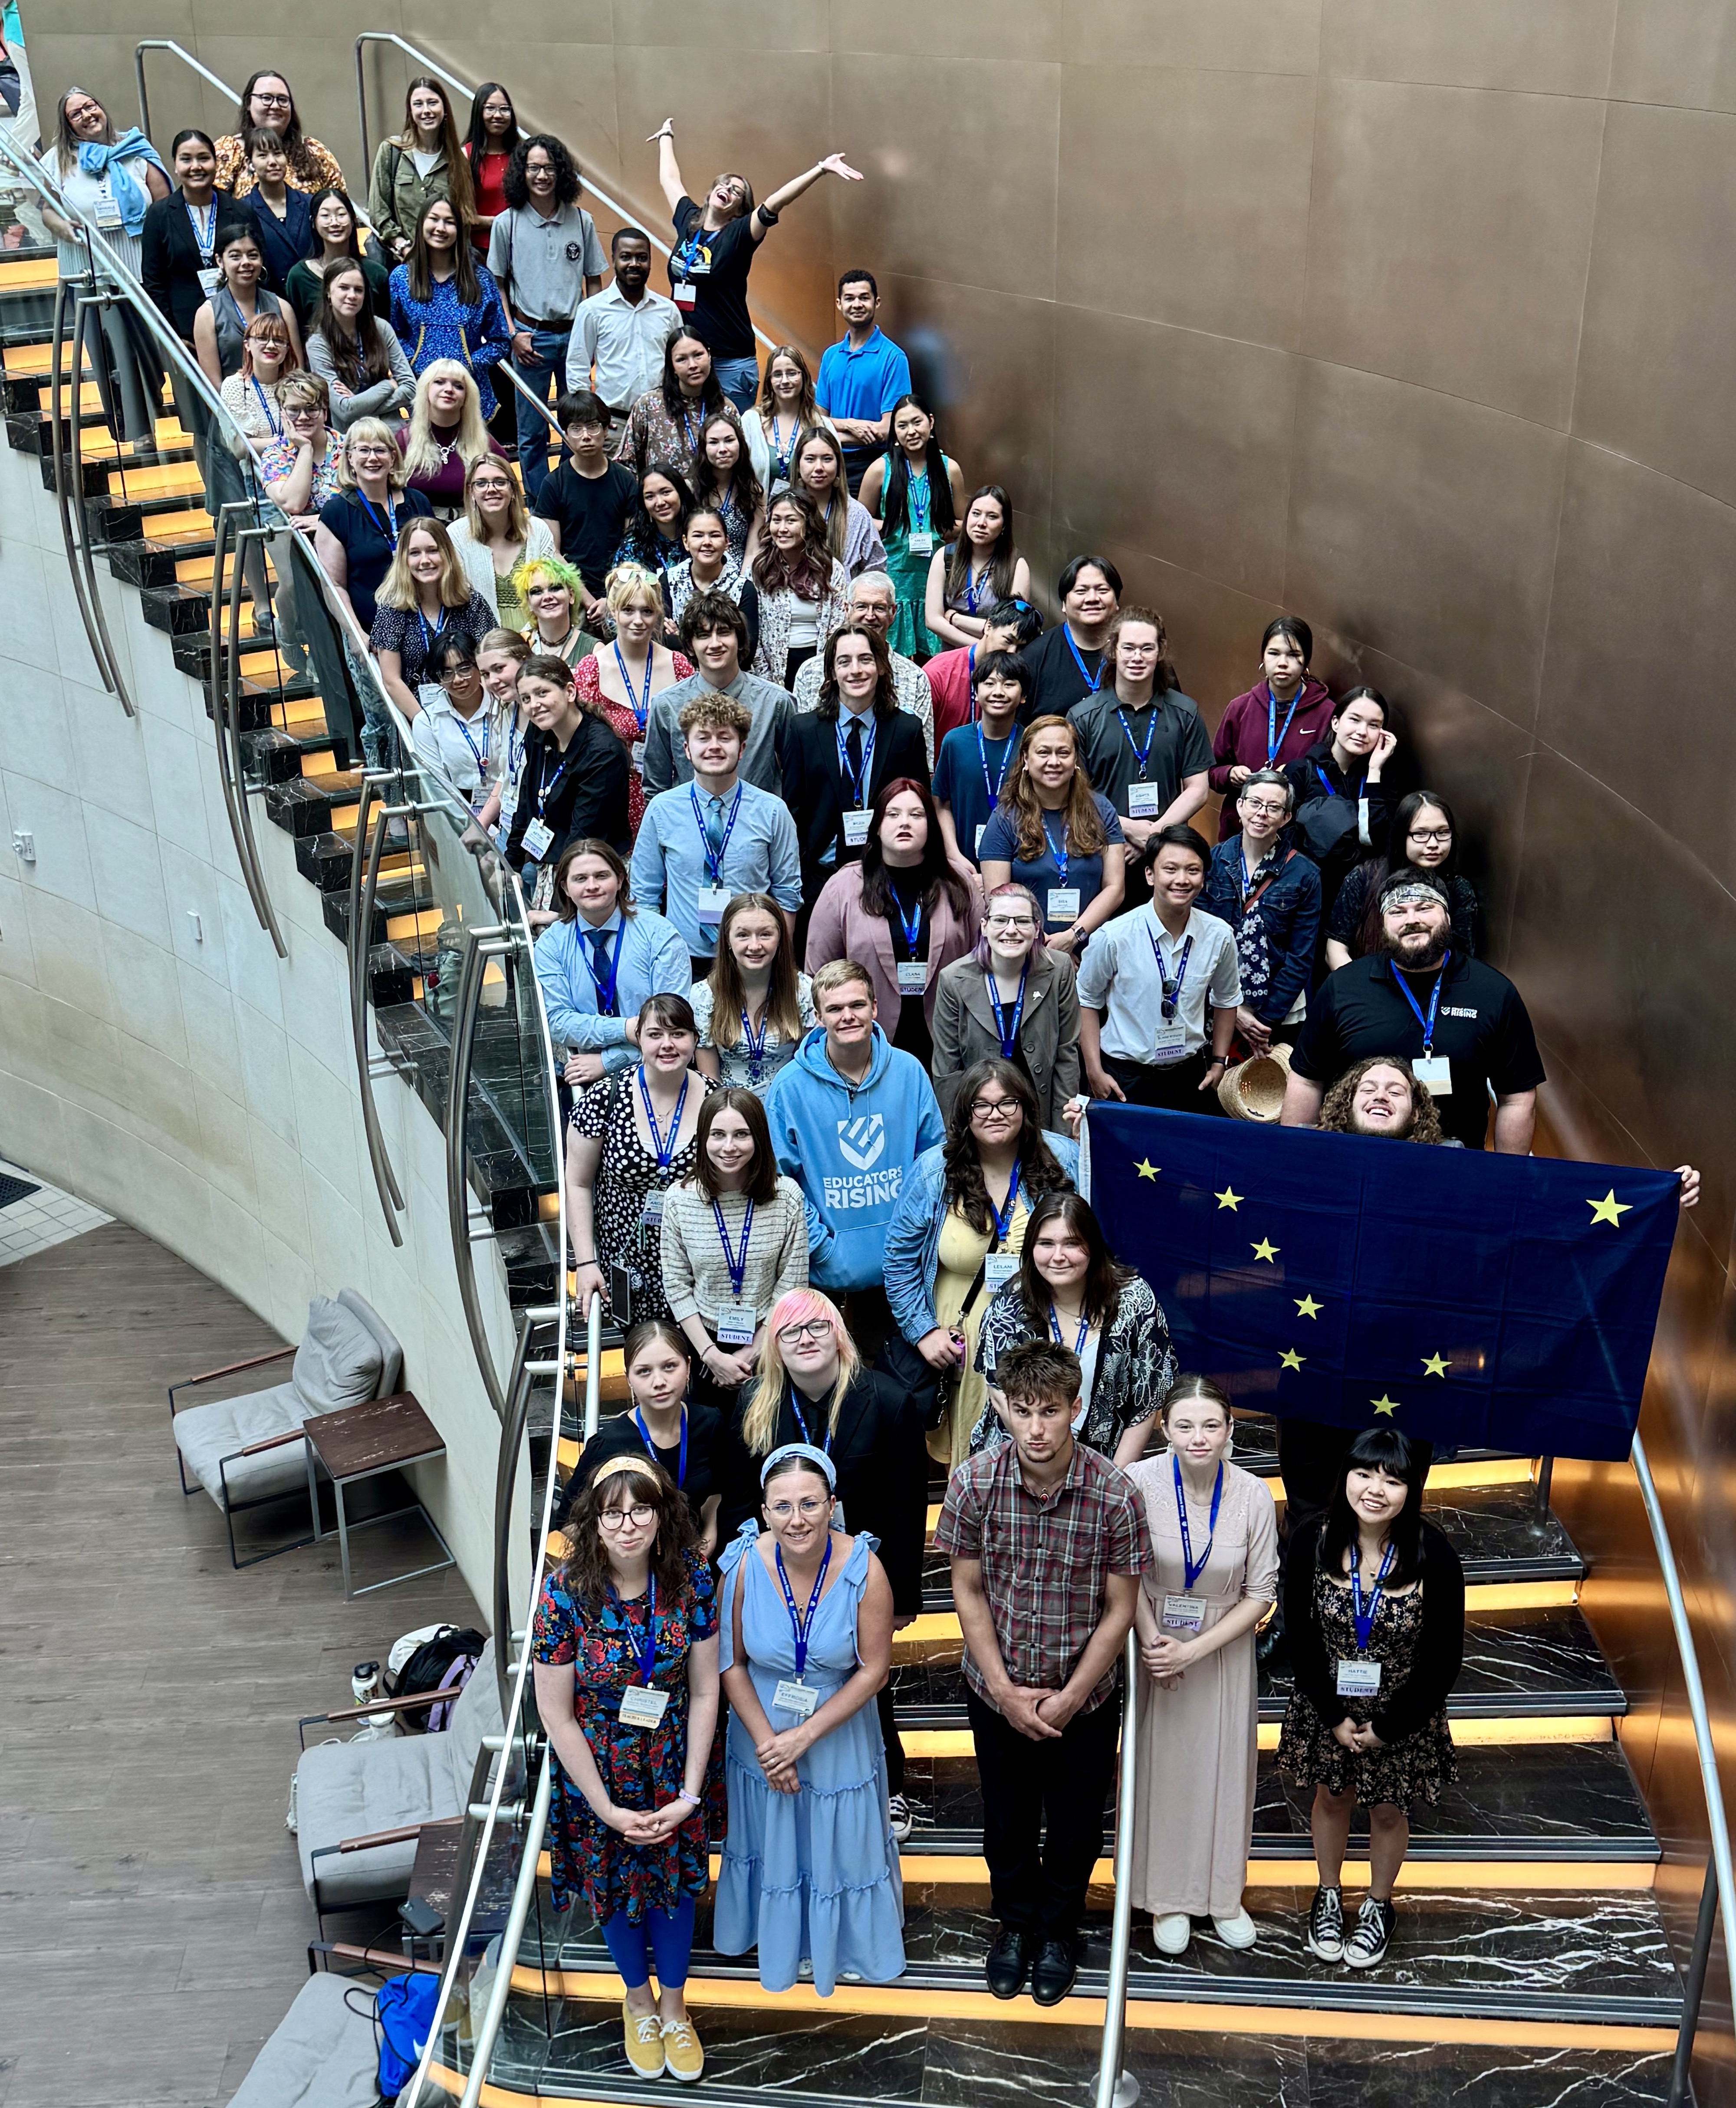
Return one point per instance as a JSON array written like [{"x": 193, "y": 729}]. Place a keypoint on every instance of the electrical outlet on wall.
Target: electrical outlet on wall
[{"x": 23, "y": 845}]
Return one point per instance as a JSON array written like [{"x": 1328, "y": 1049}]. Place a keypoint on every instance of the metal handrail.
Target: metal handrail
[
  {"x": 482, "y": 946},
  {"x": 364, "y": 876},
  {"x": 88, "y": 304},
  {"x": 1116, "y": 2087},
  {"x": 1719, "y": 1878},
  {"x": 229, "y": 728},
  {"x": 186, "y": 59},
  {"x": 643, "y": 221},
  {"x": 68, "y": 469},
  {"x": 217, "y": 700}
]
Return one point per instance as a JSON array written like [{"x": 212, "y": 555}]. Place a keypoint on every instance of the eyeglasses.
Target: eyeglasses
[
  {"x": 994, "y": 1108},
  {"x": 1266, "y": 807},
  {"x": 271, "y": 101},
  {"x": 811, "y": 1328},
  {"x": 637, "y": 1515},
  {"x": 448, "y": 675},
  {"x": 1010, "y": 922},
  {"x": 1429, "y": 835},
  {"x": 808, "y": 1509}
]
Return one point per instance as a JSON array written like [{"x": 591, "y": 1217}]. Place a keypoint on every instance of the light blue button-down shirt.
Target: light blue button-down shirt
[
  {"x": 653, "y": 961},
  {"x": 669, "y": 861}
]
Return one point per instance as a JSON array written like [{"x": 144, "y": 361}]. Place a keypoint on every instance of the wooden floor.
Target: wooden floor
[{"x": 153, "y": 1925}]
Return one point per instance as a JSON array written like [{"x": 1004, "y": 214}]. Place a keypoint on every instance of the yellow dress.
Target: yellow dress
[{"x": 961, "y": 1253}]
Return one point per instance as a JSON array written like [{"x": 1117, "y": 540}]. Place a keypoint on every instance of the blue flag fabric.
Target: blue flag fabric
[{"x": 1500, "y": 1302}]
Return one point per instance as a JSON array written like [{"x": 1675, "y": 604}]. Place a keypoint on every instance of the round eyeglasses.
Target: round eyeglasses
[{"x": 639, "y": 1516}]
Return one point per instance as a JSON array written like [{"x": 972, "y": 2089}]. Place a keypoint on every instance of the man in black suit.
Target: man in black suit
[{"x": 840, "y": 755}]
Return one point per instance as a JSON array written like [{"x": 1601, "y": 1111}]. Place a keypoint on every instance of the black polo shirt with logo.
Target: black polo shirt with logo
[{"x": 1482, "y": 1028}]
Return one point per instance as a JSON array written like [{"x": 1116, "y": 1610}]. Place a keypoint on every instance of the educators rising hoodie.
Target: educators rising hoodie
[{"x": 851, "y": 1152}]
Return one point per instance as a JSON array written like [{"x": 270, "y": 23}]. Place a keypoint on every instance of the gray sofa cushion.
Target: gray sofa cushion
[
  {"x": 206, "y": 1433},
  {"x": 391, "y": 1370},
  {"x": 321, "y": 2055},
  {"x": 339, "y": 1361},
  {"x": 354, "y": 1789}
]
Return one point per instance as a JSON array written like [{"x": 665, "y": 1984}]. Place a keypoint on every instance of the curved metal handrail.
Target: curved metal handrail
[
  {"x": 218, "y": 700},
  {"x": 64, "y": 498},
  {"x": 89, "y": 303},
  {"x": 229, "y": 730},
  {"x": 1116, "y": 2087},
  {"x": 364, "y": 873},
  {"x": 186, "y": 59},
  {"x": 483, "y": 945}
]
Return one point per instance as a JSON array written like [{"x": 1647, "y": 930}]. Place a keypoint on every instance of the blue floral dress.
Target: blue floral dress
[
  {"x": 812, "y": 1875},
  {"x": 641, "y": 1767},
  {"x": 474, "y": 332}
]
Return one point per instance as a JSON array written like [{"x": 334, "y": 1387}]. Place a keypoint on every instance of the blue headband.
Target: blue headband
[{"x": 808, "y": 1454}]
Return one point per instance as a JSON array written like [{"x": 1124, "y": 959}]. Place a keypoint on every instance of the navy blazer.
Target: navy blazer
[{"x": 282, "y": 243}]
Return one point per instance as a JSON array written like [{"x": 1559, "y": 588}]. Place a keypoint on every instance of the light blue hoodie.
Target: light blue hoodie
[{"x": 851, "y": 1152}]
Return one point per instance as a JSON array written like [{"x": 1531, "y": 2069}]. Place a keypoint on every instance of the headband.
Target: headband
[
  {"x": 808, "y": 1454},
  {"x": 625, "y": 1460},
  {"x": 1406, "y": 892}
]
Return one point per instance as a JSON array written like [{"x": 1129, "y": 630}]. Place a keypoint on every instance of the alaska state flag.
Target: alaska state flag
[{"x": 1499, "y": 1302}]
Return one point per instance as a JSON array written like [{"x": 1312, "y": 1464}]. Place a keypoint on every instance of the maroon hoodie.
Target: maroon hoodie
[{"x": 1241, "y": 740}]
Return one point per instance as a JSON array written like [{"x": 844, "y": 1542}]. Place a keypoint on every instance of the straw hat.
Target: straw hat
[{"x": 1254, "y": 1089}]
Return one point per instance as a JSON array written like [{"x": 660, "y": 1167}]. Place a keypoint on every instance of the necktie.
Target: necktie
[
  {"x": 853, "y": 740},
  {"x": 601, "y": 947},
  {"x": 714, "y": 828}
]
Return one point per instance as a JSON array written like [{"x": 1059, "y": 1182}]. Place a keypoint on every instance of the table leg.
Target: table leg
[
  {"x": 343, "y": 1536},
  {"x": 313, "y": 1486}
]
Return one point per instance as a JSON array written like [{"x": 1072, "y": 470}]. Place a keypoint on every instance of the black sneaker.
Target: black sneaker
[
  {"x": 1008, "y": 1960},
  {"x": 1051, "y": 1973},
  {"x": 1326, "y": 1925},
  {"x": 1367, "y": 1944}
]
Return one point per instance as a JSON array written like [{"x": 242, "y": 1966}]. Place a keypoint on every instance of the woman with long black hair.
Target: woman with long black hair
[
  {"x": 267, "y": 100},
  {"x": 981, "y": 566},
  {"x": 725, "y": 483},
  {"x": 1374, "y": 1607},
  {"x": 850, "y": 533},
  {"x": 494, "y": 133},
  {"x": 665, "y": 423},
  {"x": 1423, "y": 836},
  {"x": 336, "y": 233},
  {"x": 1276, "y": 721},
  {"x": 916, "y": 494},
  {"x": 652, "y": 538},
  {"x": 445, "y": 305}
]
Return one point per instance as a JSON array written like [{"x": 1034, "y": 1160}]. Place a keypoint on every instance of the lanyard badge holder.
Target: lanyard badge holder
[
  {"x": 1061, "y": 905},
  {"x": 608, "y": 1002},
  {"x": 713, "y": 897},
  {"x": 999, "y": 1266},
  {"x": 1079, "y": 1348},
  {"x": 920, "y": 542},
  {"x": 651, "y": 1214},
  {"x": 681, "y": 1466},
  {"x": 857, "y": 813},
  {"x": 735, "y": 1327},
  {"x": 641, "y": 1706},
  {"x": 1275, "y": 738},
  {"x": 912, "y": 973},
  {"x": 1433, "y": 1070},
  {"x": 1361, "y": 1678},
  {"x": 1171, "y": 1037},
  {"x": 1186, "y": 1613},
  {"x": 793, "y": 1694},
  {"x": 991, "y": 784},
  {"x": 1141, "y": 797}
]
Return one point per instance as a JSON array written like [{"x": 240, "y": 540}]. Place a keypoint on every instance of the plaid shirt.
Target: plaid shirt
[{"x": 1045, "y": 1561}]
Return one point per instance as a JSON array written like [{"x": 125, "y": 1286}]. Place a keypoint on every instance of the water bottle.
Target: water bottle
[{"x": 364, "y": 1684}]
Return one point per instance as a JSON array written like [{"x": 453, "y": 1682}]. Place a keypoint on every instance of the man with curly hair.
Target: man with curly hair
[{"x": 1381, "y": 1096}]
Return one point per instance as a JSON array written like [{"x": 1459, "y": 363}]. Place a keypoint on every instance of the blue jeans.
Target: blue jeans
[
  {"x": 545, "y": 381},
  {"x": 739, "y": 379}
]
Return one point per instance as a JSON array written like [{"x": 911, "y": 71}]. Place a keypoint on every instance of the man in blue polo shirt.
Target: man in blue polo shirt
[{"x": 861, "y": 378}]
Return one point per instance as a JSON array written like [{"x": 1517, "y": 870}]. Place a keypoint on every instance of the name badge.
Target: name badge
[
  {"x": 652, "y": 1210},
  {"x": 639, "y": 748},
  {"x": 1171, "y": 1040},
  {"x": 856, "y": 826},
  {"x": 913, "y": 976},
  {"x": 539, "y": 838},
  {"x": 687, "y": 296},
  {"x": 921, "y": 544},
  {"x": 108, "y": 212},
  {"x": 641, "y": 1707},
  {"x": 794, "y": 1696},
  {"x": 1435, "y": 1072},
  {"x": 735, "y": 1328},
  {"x": 1141, "y": 801},
  {"x": 982, "y": 828},
  {"x": 1359, "y": 1679},
  {"x": 999, "y": 1268},
  {"x": 211, "y": 278},
  {"x": 1063, "y": 904},
  {"x": 1183, "y": 1614},
  {"x": 713, "y": 900}
]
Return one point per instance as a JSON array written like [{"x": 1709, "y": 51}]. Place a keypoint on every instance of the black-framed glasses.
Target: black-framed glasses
[
  {"x": 639, "y": 1514},
  {"x": 1429, "y": 834},
  {"x": 995, "y": 1108},
  {"x": 809, "y": 1328}
]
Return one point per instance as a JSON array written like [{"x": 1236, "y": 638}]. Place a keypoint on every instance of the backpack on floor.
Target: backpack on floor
[
  {"x": 403, "y": 2013},
  {"x": 442, "y": 1665}
]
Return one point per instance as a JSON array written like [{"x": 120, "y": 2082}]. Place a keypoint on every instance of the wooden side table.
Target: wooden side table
[{"x": 361, "y": 1442}]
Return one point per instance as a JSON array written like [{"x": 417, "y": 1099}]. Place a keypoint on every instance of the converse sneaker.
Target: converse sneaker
[
  {"x": 1326, "y": 1925},
  {"x": 1367, "y": 1944},
  {"x": 899, "y": 1819}
]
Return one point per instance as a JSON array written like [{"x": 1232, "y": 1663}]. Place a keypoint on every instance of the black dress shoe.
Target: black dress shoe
[
  {"x": 1051, "y": 1973},
  {"x": 1008, "y": 1960}
]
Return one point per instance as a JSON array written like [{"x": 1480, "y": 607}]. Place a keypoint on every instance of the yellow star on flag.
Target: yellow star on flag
[
  {"x": 1266, "y": 1249},
  {"x": 1230, "y": 1198},
  {"x": 1384, "y": 1404},
  {"x": 1433, "y": 1365},
  {"x": 1609, "y": 1210},
  {"x": 1145, "y": 1169},
  {"x": 1308, "y": 1307},
  {"x": 1290, "y": 1359}
]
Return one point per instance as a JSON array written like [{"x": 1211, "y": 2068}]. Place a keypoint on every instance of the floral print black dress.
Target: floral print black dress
[{"x": 627, "y": 1175}]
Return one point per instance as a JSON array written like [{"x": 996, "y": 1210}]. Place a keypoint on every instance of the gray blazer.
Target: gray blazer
[{"x": 965, "y": 1031}]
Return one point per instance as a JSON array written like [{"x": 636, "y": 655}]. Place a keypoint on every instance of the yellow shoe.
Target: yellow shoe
[
  {"x": 643, "y": 2033},
  {"x": 681, "y": 2049}
]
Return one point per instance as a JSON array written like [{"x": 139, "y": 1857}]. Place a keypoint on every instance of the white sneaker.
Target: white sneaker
[
  {"x": 1170, "y": 1934},
  {"x": 1238, "y": 1931},
  {"x": 899, "y": 1819}
]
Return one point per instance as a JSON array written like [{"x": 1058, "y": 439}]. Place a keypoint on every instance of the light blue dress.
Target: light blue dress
[{"x": 812, "y": 1875}]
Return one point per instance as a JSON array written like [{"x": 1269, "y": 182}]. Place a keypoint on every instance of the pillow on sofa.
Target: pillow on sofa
[{"x": 339, "y": 1360}]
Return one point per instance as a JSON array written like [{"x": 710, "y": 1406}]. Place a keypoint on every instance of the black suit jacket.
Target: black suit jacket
[
  {"x": 813, "y": 783},
  {"x": 282, "y": 243},
  {"x": 169, "y": 262}
]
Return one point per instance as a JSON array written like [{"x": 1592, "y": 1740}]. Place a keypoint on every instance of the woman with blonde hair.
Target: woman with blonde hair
[
  {"x": 754, "y": 1008},
  {"x": 551, "y": 592},
  {"x": 423, "y": 162},
  {"x": 813, "y": 1389},
  {"x": 495, "y": 537},
  {"x": 1053, "y": 833},
  {"x": 427, "y": 598},
  {"x": 447, "y": 436},
  {"x": 803, "y": 591},
  {"x": 501, "y": 658},
  {"x": 850, "y": 533},
  {"x": 617, "y": 681},
  {"x": 785, "y": 409}
]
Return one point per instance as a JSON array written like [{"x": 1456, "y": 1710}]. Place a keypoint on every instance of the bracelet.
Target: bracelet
[{"x": 692, "y": 1797}]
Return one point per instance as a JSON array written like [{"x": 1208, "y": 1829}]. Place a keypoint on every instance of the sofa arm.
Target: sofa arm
[{"x": 233, "y": 1369}]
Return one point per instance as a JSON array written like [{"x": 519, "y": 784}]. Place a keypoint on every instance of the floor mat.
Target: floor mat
[{"x": 15, "y": 1189}]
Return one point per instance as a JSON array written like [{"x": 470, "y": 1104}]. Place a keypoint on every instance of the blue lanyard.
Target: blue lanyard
[
  {"x": 666, "y": 1148},
  {"x": 917, "y": 515},
  {"x": 688, "y": 254},
  {"x": 481, "y": 759},
  {"x": 205, "y": 235},
  {"x": 913, "y": 928},
  {"x": 1332, "y": 789},
  {"x": 1084, "y": 1330},
  {"x": 1192, "y": 1568},
  {"x": 735, "y": 1261},
  {"x": 515, "y": 755},
  {"x": 440, "y": 631},
  {"x": 689, "y": 435},
  {"x": 802, "y": 1626},
  {"x": 641, "y": 709},
  {"x": 756, "y": 1048},
  {"x": 1009, "y": 1034},
  {"x": 1093, "y": 681},
  {"x": 715, "y": 864},
  {"x": 781, "y": 454},
  {"x": 993, "y": 786},
  {"x": 1364, "y": 1620},
  {"x": 606, "y": 999},
  {"x": 645, "y": 1656},
  {"x": 1060, "y": 854},
  {"x": 275, "y": 423},
  {"x": 388, "y": 533},
  {"x": 1171, "y": 989},
  {"x": 975, "y": 585},
  {"x": 823, "y": 1446},
  {"x": 1003, "y": 1216},
  {"x": 1275, "y": 738},
  {"x": 1426, "y": 1023},
  {"x": 858, "y": 784},
  {"x": 545, "y": 783},
  {"x": 1141, "y": 753},
  {"x": 650, "y": 1448}
]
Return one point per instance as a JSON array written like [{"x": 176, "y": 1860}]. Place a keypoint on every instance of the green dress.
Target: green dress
[{"x": 910, "y": 633}]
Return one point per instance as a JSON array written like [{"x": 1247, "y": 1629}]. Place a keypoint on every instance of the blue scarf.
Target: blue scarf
[{"x": 132, "y": 199}]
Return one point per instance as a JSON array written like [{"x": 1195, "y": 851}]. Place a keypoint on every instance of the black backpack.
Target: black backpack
[{"x": 442, "y": 1666}]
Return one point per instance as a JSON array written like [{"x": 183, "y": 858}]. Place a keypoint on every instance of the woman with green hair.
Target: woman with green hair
[{"x": 553, "y": 592}]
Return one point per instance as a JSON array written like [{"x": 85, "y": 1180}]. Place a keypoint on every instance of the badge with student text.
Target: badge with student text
[
  {"x": 1141, "y": 801},
  {"x": 538, "y": 839},
  {"x": 922, "y": 543},
  {"x": 999, "y": 1268},
  {"x": 735, "y": 1327},
  {"x": 1183, "y": 1614},
  {"x": 1062, "y": 905},
  {"x": 913, "y": 976},
  {"x": 1359, "y": 1679},
  {"x": 856, "y": 826}
]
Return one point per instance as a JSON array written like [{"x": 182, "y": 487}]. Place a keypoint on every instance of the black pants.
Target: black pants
[
  {"x": 1043, "y": 1806},
  {"x": 869, "y": 1317},
  {"x": 1176, "y": 1087},
  {"x": 889, "y": 1736}
]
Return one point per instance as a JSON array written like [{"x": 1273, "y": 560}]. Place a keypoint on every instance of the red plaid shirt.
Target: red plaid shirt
[{"x": 1045, "y": 1561}]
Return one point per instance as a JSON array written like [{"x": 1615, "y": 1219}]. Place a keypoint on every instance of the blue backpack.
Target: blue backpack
[{"x": 403, "y": 2013}]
